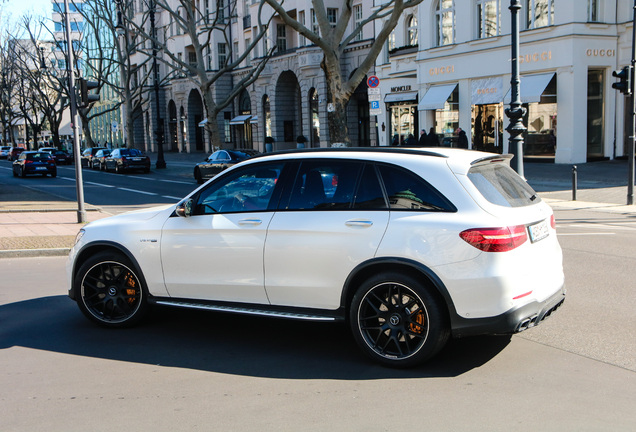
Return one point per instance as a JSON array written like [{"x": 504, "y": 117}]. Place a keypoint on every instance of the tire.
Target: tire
[
  {"x": 102, "y": 167},
  {"x": 397, "y": 321},
  {"x": 197, "y": 176},
  {"x": 22, "y": 173},
  {"x": 117, "y": 169},
  {"x": 54, "y": 174},
  {"x": 110, "y": 291},
  {"x": 15, "y": 174}
]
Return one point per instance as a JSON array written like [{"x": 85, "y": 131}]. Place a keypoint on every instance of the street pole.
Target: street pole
[
  {"x": 79, "y": 183},
  {"x": 161, "y": 163},
  {"x": 632, "y": 132},
  {"x": 516, "y": 111}
]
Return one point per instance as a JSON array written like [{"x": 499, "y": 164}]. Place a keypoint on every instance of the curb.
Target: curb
[{"x": 31, "y": 253}]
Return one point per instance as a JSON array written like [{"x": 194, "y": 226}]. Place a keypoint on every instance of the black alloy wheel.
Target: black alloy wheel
[
  {"x": 397, "y": 321},
  {"x": 109, "y": 291}
]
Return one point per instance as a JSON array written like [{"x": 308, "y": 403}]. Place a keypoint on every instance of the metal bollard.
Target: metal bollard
[{"x": 574, "y": 182}]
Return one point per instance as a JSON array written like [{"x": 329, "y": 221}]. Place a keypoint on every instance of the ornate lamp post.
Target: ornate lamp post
[{"x": 516, "y": 111}]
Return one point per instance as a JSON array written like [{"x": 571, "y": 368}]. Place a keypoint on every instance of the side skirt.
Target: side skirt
[{"x": 305, "y": 314}]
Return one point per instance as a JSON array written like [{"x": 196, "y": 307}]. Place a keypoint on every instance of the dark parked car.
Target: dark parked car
[
  {"x": 87, "y": 156},
  {"x": 125, "y": 159},
  {"x": 14, "y": 153},
  {"x": 220, "y": 160},
  {"x": 62, "y": 158},
  {"x": 34, "y": 162},
  {"x": 99, "y": 160}
]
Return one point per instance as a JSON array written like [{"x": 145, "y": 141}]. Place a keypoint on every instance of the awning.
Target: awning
[
  {"x": 436, "y": 97},
  {"x": 239, "y": 120},
  {"x": 203, "y": 122},
  {"x": 487, "y": 91},
  {"x": 400, "y": 97},
  {"x": 532, "y": 87},
  {"x": 254, "y": 119}
]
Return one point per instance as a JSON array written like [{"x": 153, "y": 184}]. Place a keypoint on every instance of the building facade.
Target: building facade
[{"x": 459, "y": 76}]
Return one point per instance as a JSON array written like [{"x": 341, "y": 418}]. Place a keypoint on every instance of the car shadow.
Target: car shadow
[{"x": 224, "y": 343}]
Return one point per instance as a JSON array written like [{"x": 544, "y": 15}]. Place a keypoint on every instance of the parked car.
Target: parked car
[
  {"x": 99, "y": 160},
  {"x": 219, "y": 161},
  {"x": 34, "y": 162},
  {"x": 4, "y": 152},
  {"x": 14, "y": 153},
  {"x": 61, "y": 157},
  {"x": 125, "y": 159},
  {"x": 87, "y": 156},
  {"x": 412, "y": 246}
]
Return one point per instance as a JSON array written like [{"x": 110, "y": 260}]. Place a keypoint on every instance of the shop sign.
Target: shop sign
[
  {"x": 536, "y": 57},
  {"x": 404, "y": 88},
  {"x": 441, "y": 70},
  {"x": 600, "y": 52}
]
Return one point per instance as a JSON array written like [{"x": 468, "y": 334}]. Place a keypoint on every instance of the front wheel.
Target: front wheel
[
  {"x": 397, "y": 321},
  {"x": 109, "y": 291}
]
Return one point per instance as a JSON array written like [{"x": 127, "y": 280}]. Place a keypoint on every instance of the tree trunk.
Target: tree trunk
[{"x": 337, "y": 104}]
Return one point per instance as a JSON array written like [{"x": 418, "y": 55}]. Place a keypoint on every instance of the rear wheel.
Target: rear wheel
[
  {"x": 197, "y": 176},
  {"x": 397, "y": 321},
  {"x": 22, "y": 173},
  {"x": 109, "y": 290}
]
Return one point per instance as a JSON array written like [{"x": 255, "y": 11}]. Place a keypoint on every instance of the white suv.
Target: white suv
[{"x": 410, "y": 246}]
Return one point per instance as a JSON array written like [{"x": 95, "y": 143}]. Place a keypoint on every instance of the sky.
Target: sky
[{"x": 14, "y": 9}]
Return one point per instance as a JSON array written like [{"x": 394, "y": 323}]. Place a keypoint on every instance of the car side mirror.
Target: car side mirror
[{"x": 184, "y": 209}]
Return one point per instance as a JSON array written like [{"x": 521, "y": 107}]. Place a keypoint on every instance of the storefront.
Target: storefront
[
  {"x": 443, "y": 101},
  {"x": 401, "y": 104}
]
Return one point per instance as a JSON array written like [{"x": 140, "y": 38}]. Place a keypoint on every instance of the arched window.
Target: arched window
[
  {"x": 411, "y": 30},
  {"x": 445, "y": 20},
  {"x": 488, "y": 17}
]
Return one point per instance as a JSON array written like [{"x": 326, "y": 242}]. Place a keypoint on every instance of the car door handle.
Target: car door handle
[
  {"x": 359, "y": 223},
  {"x": 253, "y": 222}
]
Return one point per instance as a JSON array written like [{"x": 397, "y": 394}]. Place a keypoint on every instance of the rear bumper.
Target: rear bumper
[{"x": 512, "y": 321}]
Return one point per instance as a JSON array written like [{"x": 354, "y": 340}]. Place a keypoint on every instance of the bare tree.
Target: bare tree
[
  {"x": 333, "y": 40},
  {"x": 202, "y": 28}
]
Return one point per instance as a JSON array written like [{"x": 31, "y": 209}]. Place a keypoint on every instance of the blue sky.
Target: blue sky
[{"x": 17, "y": 8}]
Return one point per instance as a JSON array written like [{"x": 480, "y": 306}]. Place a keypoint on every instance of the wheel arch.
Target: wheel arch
[
  {"x": 395, "y": 264},
  {"x": 94, "y": 248}
]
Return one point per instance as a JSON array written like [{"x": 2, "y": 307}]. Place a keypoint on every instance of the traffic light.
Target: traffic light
[
  {"x": 624, "y": 85},
  {"x": 86, "y": 98}
]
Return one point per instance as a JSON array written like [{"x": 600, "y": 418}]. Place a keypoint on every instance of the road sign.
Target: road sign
[
  {"x": 374, "y": 104},
  {"x": 375, "y": 97},
  {"x": 375, "y": 90},
  {"x": 373, "y": 81},
  {"x": 375, "y": 112}
]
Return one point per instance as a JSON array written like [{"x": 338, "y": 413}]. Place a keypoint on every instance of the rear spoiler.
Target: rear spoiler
[{"x": 492, "y": 159}]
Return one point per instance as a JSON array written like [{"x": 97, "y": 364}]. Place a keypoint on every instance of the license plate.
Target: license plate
[
  {"x": 538, "y": 231},
  {"x": 136, "y": 159},
  {"x": 41, "y": 168}
]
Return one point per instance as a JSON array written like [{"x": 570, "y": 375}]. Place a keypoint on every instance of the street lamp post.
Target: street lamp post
[
  {"x": 161, "y": 163},
  {"x": 516, "y": 111}
]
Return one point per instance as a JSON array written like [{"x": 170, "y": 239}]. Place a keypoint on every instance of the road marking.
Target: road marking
[
  {"x": 99, "y": 184},
  {"x": 137, "y": 191},
  {"x": 171, "y": 197},
  {"x": 584, "y": 234},
  {"x": 177, "y": 181}
]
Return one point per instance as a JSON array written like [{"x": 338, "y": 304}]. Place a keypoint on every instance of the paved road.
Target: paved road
[{"x": 211, "y": 371}]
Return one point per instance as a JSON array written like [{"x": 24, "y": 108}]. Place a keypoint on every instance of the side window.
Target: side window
[
  {"x": 325, "y": 185},
  {"x": 248, "y": 189},
  {"x": 369, "y": 195},
  {"x": 407, "y": 191}
]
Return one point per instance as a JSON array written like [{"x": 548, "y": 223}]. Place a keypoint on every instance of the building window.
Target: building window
[
  {"x": 281, "y": 38},
  {"x": 267, "y": 116},
  {"x": 595, "y": 119},
  {"x": 302, "y": 40},
  {"x": 391, "y": 41},
  {"x": 445, "y": 22},
  {"x": 220, "y": 6},
  {"x": 332, "y": 16},
  {"x": 314, "y": 108},
  {"x": 222, "y": 53},
  {"x": 592, "y": 11},
  {"x": 314, "y": 23},
  {"x": 357, "y": 21},
  {"x": 487, "y": 18},
  {"x": 540, "y": 13},
  {"x": 411, "y": 30},
  {"x": 248, "y": 58}
]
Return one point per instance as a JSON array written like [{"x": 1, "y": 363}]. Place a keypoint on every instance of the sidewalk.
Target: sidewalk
[{"x": 33, "y": 225}]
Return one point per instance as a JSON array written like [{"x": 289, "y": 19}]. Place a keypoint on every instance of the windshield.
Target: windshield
[{"x": 500, "y": 185}]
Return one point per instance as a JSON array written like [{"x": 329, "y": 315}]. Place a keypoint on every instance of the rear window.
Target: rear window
[{"x": 500, "y": 185}]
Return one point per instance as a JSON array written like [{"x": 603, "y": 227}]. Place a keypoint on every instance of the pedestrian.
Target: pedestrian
[
  {"x": 423, "y": 138},
  {"x": 411, "y": 141},
  {"x": 433, "y": 140},
  {"x": 396, "y": 140},
  {"x": 462, "y": 139}
]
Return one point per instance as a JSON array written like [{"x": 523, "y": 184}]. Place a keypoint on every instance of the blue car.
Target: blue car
[{"x": 34, "y": 162}]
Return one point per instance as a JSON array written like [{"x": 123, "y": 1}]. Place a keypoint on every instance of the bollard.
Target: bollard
[{"x": 574, "y": 182}]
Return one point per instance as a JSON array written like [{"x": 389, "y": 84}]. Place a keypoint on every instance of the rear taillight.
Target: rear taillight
[
  {"x": 552, "y": 222},
  {"x": 495, "y": 239},
  {"x": 28, "y": 161}
]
